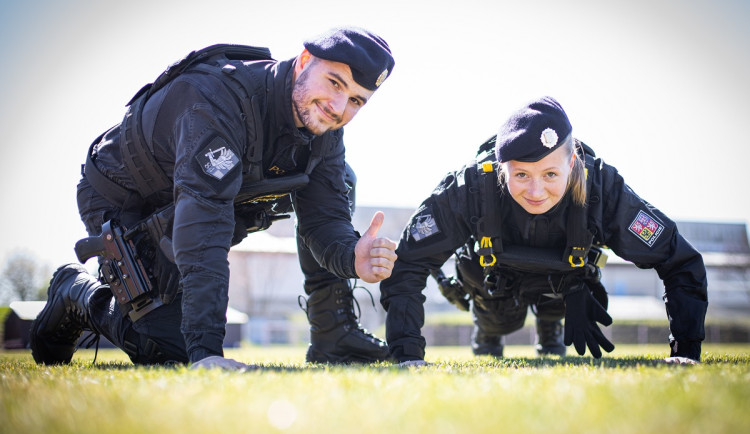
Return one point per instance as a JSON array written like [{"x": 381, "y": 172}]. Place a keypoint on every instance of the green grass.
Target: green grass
[{"x": 625, "y": 392}]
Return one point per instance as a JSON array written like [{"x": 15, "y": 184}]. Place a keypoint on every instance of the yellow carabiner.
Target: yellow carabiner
[
  {"x": 580, "y": 258},
  {"x": 574, "y": 265},
  {"x": 486, "y": 242}
]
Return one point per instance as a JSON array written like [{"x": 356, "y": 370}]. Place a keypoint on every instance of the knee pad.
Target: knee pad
[
  {"x": 552, "y": 310},
  {"x": 500, "y": 317}
]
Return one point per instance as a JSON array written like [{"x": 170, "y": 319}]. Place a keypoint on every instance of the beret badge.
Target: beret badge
[
  {"x": 381, "y": 78},
  {"x": 549, "y": 138}
]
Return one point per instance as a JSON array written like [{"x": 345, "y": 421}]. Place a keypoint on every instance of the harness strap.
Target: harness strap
[
  {"x": 148, "y": 176},
  {"x": 250, "y": 104},
  {"x": 579, "y": 238},
  {"x": 113, "y": 192},
  {"x": 230, "y": 51},
  {"x": 489, "y": 224}
]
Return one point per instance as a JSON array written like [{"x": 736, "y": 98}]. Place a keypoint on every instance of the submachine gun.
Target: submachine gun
[{"x": 121, "y": 268}]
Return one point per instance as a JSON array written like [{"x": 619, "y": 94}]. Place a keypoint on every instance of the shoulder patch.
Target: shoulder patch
[
  {"x": 217, "y": 159},
  {"x": 646, "y": 228},
  {"x": 423, "y": 226}
]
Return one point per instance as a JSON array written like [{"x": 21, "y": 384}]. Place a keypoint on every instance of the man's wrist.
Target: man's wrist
[{"x": 349, "y": 262}]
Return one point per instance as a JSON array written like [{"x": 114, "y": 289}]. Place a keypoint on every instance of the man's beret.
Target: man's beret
[
  {"x": 533, "y": 132},
  {"x": 366, "y": 53}
]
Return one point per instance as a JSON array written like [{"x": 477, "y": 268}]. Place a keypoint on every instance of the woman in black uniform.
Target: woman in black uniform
[{"x": 539, "y": 205}]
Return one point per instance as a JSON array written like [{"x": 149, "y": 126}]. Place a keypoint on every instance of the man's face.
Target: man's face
[{"x": 325, "y": 97}]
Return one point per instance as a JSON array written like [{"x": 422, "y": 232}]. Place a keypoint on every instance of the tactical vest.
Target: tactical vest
[
  {"x": 579, "y": 257},
  {"x": 223, "y": 61}
]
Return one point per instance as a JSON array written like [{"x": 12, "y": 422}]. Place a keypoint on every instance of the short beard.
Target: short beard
[
  {"x": 299, "y": 97},
  {"x": 301, "y": 104}
]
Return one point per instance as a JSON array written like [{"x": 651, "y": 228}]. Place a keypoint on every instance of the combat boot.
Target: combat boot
[
  {"x": 335, "y": 333},
  {"x": 483, "y": 344},
  {"x": 549, "y": 338},
  {"x": 57, "y": 328}
]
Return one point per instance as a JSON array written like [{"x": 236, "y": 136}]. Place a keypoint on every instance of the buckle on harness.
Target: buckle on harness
[
  {"x": 580, "y": 251},
  {"x": 486, "y": 243}
]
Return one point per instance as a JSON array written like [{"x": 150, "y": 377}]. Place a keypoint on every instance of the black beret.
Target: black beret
[
  {"x": 533, "y": 132},
  {"x": 366, "y": 53}
]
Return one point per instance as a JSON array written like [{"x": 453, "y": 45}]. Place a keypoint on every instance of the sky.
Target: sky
[{"x": 659, "y": 89}]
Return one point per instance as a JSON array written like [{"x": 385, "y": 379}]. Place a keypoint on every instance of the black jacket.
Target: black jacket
[
  {"x": 618, "y": 218},
  {"x": 201, "y": 138}
]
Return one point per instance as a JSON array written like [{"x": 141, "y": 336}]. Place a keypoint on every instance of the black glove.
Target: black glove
[
  {"x": 452, "y": 290},
  {"x": 582, "y": 312},
  {"x": 251, "y": 220}
]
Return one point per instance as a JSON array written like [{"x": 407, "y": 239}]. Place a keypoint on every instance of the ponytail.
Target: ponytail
[{"x": 577, "y": 179}]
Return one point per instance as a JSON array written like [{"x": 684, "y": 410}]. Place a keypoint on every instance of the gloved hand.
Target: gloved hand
[
  {"x": 582, "y": 312},
  {"x": 213, "y": 362},
  {"x": 409, "y": 363},
  {"x": 453, "y": 291}
]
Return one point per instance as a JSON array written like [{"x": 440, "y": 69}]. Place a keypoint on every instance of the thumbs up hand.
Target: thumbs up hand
[{"x": 374, "y": 257}]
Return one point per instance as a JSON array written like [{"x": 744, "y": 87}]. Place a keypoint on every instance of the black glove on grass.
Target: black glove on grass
[{"x": 582, "y": 312}]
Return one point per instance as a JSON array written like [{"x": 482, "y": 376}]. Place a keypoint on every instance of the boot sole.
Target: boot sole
[{"x": 315, "y": 356}]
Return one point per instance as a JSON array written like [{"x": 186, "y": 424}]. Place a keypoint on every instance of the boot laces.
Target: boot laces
[
  {"x": 347, "y": 299},
  {"x": 71, "y": 325},
  {"x": 302, "y": 302},
  {"x": 90, "y": 341},
  {"x": 354, "y": 318}
]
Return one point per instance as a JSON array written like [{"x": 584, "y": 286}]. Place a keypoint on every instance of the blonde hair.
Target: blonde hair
[{"x": 576, "y": 180}]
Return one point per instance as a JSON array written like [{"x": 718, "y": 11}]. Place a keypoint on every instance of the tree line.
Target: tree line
[{"x": 23, "y": 278}]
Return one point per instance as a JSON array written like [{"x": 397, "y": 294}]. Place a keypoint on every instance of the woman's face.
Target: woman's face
[{"x": 540, "y": 185}]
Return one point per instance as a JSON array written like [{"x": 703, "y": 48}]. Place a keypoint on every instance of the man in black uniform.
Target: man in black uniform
[
  {"x": 538, "y": 210},
  {"x": 202, "y": 157}
]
